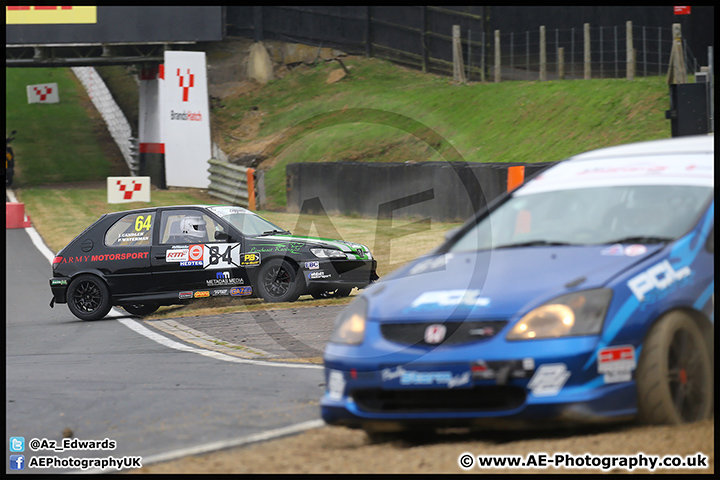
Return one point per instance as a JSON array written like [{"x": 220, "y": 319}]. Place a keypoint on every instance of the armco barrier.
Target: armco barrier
[
  {"x": 443, "y": 191},
  {"x": 15, "y": 215},
  {"x": 232, "y": 183}
]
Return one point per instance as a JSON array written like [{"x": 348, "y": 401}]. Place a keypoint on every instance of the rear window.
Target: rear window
[{"x": 131, "y": 230}]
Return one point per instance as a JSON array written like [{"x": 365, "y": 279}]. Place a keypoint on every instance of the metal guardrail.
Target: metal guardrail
[{"x": 229, "y": 182}]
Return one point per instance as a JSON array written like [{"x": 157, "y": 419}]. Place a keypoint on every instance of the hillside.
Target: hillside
[{"x": 301, "y": 117}]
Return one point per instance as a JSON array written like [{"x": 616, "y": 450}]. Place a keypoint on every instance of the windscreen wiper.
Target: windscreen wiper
[
  {"x": 534, "y": 243},
  {"x": 646, "y": 239}
]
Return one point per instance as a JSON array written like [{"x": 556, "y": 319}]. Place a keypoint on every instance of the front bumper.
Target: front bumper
[
  {"x": 359, "y": 396},
  {"x": 331, "y": 274}
]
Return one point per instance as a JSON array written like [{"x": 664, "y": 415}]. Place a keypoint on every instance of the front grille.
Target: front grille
[
  {"x": 456, "y": 332},
  {"x": 477, "y": 399}
]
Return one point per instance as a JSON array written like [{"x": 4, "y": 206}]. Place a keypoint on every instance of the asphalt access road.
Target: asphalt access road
[{"x": 104, "y": 380}]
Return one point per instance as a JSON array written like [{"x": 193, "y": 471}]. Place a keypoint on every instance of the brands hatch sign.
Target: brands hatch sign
[{"x": 184, "y": 119}]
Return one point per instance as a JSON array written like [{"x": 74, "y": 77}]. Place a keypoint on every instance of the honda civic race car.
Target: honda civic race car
[
  {"x": 143, "y": 259},
  {"x": 586, "y": 295}
]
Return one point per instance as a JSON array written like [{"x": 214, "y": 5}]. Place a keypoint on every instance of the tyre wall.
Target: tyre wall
[{"x": 442, "y": 191}]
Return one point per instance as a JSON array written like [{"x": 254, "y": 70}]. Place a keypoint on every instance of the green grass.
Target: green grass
[
  {"x": 56, "y": 142},
  {"x": 505, "y": 122}
]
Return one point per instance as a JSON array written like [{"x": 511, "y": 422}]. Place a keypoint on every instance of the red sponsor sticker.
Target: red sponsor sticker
[{"x": 196, "y": 252}]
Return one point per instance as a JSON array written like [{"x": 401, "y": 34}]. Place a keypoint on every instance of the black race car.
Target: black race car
[{"x": 143, "y": 259}]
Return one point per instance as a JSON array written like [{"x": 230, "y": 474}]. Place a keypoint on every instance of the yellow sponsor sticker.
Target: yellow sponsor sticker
[
  {"x": 249, "y": 259},
  {"x": 202, "y": 294},
  {"x": 33, "y": 15}
]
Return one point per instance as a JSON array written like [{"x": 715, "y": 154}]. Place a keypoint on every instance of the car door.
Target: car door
[
  {"x": 194, "y": 252},
  {"x": 124, "y": 256}
]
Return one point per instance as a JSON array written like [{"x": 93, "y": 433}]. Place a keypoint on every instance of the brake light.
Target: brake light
[{"x": 56, "y": 260}]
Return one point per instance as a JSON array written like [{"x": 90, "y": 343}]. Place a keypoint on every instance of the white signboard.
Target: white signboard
[
  {"x": 185, "y": 119},
  {"x": 128, "y": 189},
  {"x": 43, "y": 93}
]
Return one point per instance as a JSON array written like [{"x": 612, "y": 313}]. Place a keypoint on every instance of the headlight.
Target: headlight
[
  {"x": 350, "y": 323},
  {"x": 579, "y": 313},
  {"x": 327, "y": 253}
]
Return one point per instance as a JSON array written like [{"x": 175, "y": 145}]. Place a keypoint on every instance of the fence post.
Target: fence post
[
  {"x": 469, "y": 68},
  {"x": 586, "y": 54},
  {"x": 497, "y": 56},
  {"x": 561, "y": 63},
  {"x": 543, "y": 57},
  {"x": 676, "y": 71},
  {"x": 482, "y": 56},
  {"x": 458, "y": 69},
  {"x": 630, "y": 54}
]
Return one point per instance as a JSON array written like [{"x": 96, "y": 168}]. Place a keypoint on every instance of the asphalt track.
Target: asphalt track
[{"x": 159, "y": 389}]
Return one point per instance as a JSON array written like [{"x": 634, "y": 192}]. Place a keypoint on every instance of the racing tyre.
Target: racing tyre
[
  {"x": 674, "y": 375},
  {"x": 141, "y": 309},
  {"x": 88, "y": 298},
  {"x": 278, "y": 282}
]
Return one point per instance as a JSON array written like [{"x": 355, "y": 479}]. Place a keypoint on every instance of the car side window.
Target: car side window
[
  {"x": 132, "y": 230},
  {"x": 187, "y": 227}
]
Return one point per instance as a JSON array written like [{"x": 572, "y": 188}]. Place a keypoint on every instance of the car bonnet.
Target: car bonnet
[
  {"x": 496, "y": 283},
  {"x": 353, "y": 250}
]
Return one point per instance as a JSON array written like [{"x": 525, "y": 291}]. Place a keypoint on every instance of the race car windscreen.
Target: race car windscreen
[
  {"x": 600, "y": 215},
  {"x": 246, "y": 222}
]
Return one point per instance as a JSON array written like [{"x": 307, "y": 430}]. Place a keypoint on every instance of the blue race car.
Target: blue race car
[{"x": 584, "y": 296}]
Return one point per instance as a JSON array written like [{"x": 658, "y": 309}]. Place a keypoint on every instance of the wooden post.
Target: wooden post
[
  {"x": 497, "y": 56},
  {"x": 586, "y": 54},
  {"x": 543, "y": 56},
  {"x": 561, "y": 63},
  {"x": 458, "y": 68},
  {"x": 676, "y": 70},
  {"x": 630, "y": 54}
]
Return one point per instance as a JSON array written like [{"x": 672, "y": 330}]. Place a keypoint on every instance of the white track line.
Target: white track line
[
  {"x": 156, "y": 337},
  {"x": 223, "y": 444},
  {"x": 208, "y": 447}
]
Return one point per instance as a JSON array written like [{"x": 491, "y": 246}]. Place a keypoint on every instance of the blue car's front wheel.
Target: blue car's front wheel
[{"x": 674, "y": 375}]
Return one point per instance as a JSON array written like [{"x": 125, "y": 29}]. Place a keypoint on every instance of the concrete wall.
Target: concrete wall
[{"x": 443, "y": 191}]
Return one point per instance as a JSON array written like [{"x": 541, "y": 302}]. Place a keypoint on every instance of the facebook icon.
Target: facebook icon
[{"x": 17, "y": 462}]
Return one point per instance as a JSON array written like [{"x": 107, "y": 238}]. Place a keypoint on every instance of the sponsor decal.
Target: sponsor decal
[
  {"x": 250, "y": 259},
  {"x": 219, "y": 292},
  {"x": 435, "y": 334},
  {"x": 38, "y": 15},
  {"x": 191, "y": 264},
  {"x": 202, "y": 294},
  {"x": 176, "y": 255},
  {"x": 185, "y": 295},
  {"x": 224, "y": 278},
  {"x": 617, "y": 363},
  {"x": 502, "y": 370},
  {"x": 450, "y": 298},
  {"x": 616, "y": 249},
  {"x": 482, "y": 332},
  {"x": 312, "y": 265},
  {"x": 291, "y": 247},
  {"x": 548, "y": 379},
  {"x": 240, "y": 291},
  {"x": 58, "y": 282},
  {"x": 107, "y": 257},
  {"x": 319, "y": 275},
  {"x": 659, "y": 276},
  {"x": 336, "y": 384},
  {"x": 195, "y": 253},
  {"x": 445, "y": 378},
  {"x": 635, "y": 250}
]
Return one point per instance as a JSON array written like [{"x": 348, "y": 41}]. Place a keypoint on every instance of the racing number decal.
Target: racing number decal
[
  {"x": 221, "y": 256},
  {"x": 143, "y": 223}
]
